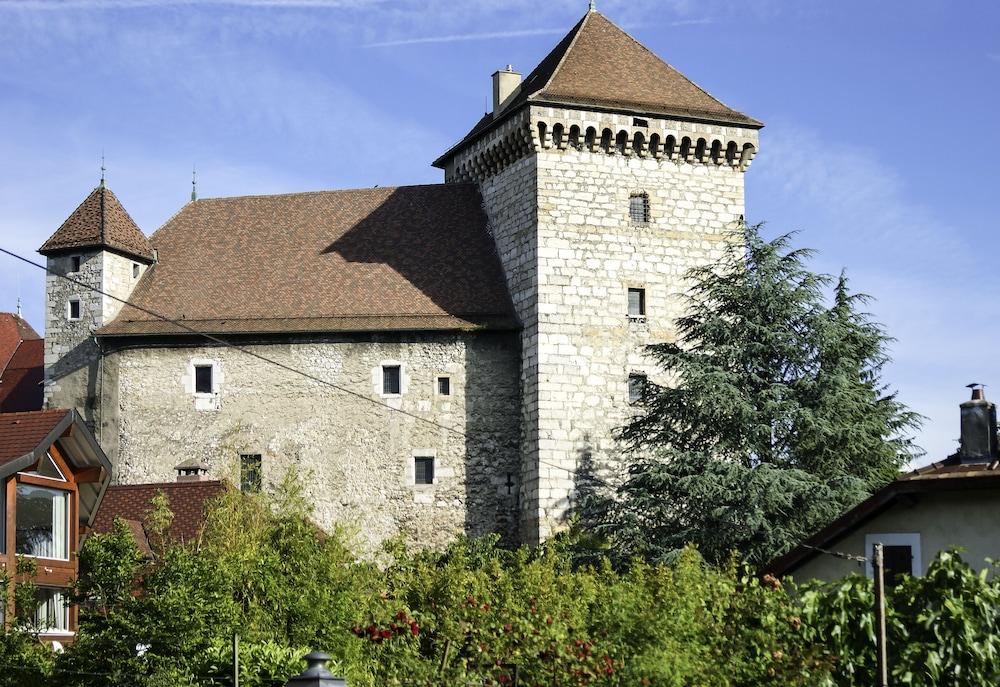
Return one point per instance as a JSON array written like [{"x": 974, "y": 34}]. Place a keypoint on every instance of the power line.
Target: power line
[
  {"x": 837, "y": 554},
  {"x": 263, "y": 358}
]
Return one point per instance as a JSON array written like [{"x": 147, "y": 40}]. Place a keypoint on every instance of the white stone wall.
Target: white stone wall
[
  {"x": 571, "y": 252},
  {"x": 355, "y": 456}
]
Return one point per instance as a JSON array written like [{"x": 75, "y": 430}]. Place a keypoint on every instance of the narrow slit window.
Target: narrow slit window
[
  {"x": 636, "y": 387},
  {"x": 423, "y": 470},
  {"x": 135, "y": 270},
  {"x": 251, "y": 478},
  {"x": 637, "y": 303},
  {"x": 638, "y": 208},
  {"x": 73, "y": 309},
  {"x": 391, "y": 380},
  {"x": 203, "y": 379},
  {"x": 444, "y": 386}
]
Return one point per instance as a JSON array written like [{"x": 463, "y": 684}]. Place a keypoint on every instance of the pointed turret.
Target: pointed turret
[{"x": 100, "y": 222}]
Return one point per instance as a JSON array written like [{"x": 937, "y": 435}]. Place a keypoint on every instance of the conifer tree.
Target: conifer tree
[{"x": 772, "y": 419}]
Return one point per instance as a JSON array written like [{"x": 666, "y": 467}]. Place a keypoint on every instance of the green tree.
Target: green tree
[{"x": 773, "y": 420}]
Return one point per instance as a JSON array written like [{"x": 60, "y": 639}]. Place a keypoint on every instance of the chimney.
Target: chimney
[
  {"x": 505, "y": 84},
  {"x": 192, "y": 470},
  {"x": 979, "y": 428}
]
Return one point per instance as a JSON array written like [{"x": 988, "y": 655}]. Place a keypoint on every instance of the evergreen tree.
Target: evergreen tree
[{"x": 773, "y": 419}]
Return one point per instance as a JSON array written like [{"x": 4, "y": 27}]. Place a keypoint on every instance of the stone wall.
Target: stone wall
[{"x": 355, "y": 456}]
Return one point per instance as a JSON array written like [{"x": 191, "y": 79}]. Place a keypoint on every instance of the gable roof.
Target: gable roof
[
  {"x": 21, "y": 379},
  {"x": 598, "y": 64},
  {"x": 132, "y": 503},
  {"x": 100, "y": 221},
  {"x": 26, "y": 437},
  {"x": 406, "y": 258},
  {"x": 947, "y": 475},
  {"x": 13, "y": 330}
]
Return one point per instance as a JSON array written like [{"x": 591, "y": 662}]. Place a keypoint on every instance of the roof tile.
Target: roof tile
[
  {"x": 99, "y": 221},
  {"x": 132, "y": 502},
  {"x": 21, "y": 433}
]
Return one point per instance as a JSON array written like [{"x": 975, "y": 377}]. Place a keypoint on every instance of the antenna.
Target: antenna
[
  {"x": 19, "y": 307},
  {"x": 194, "y": 183}
]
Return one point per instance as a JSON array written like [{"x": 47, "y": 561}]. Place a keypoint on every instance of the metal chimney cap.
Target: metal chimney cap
[{"x": 978, "y": 391}]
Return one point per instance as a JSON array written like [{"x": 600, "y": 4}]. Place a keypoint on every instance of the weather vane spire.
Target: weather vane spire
[
  {"x": 194, "y": 183},
  {"x": 102, "y": 169},
  {"x": 593, "y": 5}
]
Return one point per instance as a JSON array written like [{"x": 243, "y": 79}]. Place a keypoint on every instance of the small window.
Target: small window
[
  {"x": 41, "y": 522},
  {"x": 444, "y": 386},
  {"x": 135, "y": 270},
  {"x": 636, "y": 121},
  {"x": 900, "y": 555},
  {"x": 74, "y": 263},
  {"x": 250, "y": 472},
  {"x": 203, "y": 379},
  {"x": 73, "y": 309},
  {"x": 637, "y": 303},
  {"x": 638, "y": 208},
  {"x": 423, "y": 470},
  {"x": 52, "y": 611},
  {"x": 636, "y": 387},
  {"x": 390, "y": 380}
]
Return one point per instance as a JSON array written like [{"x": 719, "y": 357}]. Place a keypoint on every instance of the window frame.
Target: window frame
[
  {"x": 135, "y": 270},
  {"x": 69, "y": 309},
  {"x": 67, "y": 496},
  {"x": 211, "y": 378},
  {"x": 644, "y": 197},
  {"x": 75, "y": 263},
  {"x": 642, "y": 378},
  {"x": 447, "y": 393},
  {"x": 911, "y": 539},
  {"x": 398, "y": 367},
  {"x": 64, "y": 614},
  {"x": 427, "y": 460}
]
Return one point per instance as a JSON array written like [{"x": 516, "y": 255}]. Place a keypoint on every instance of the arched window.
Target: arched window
[
  {"x": 699, "y": 151},
  {"x": 574, "y": 136},
  {"x": 541, "y": 135},
  {"x": 747, "y": 155},
  {"x": 731, "y": 152},
  {"x": 670, "y": 146},
  {"x": 637, "y": 143},
  {"x": 557, "y": 136},
  {"x": 621, "y": 141},
  {"x": 654, "y": 145},
  {"x": 685, "y": 148},
  {"x": 590, "y": 138},
  {"x": 716, "y": 151},
  {"x": 606, "y": 140}
]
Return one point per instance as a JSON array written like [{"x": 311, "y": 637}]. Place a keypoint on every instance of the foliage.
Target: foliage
[{"x": 773, "y": 420}]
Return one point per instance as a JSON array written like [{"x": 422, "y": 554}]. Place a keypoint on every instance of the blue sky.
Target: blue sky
[{"x": 879, "y": 145}]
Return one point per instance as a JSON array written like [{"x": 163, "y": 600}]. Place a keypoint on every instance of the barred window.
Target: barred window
[
  {"x": 637, "y": 303},
  {"x": 638, "y": 208},
  {"x": 423, "y": 470},
  {"x": 250, "y": 472},
  {"x": 390, "y": 380},
  {"x": 444, "y": 386}
]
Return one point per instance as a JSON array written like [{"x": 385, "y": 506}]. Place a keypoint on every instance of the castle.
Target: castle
[{"x": 434, "y": 359}]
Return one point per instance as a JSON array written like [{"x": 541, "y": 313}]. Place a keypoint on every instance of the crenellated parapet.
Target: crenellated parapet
[{"x": 539, "y": 128}]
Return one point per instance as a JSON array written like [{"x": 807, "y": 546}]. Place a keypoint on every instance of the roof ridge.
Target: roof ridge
[
  {"x": 578, "y": 29},
  {"x": 326, "y": 191}
]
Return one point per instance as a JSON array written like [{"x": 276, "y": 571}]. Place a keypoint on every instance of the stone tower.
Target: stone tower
[
  {"x": 98, "y": 246},
  {"x": 606, "y": 175}
]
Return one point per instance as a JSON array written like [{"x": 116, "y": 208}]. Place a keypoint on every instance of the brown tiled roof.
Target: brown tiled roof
[
  {"x": 132, "y": 502},
  {"x": 13, "y": 330},
  {"x": 21, "y": 433},
  {"x": 406, "y": 258},
  {"x": 21, "y": 380},
  {"x": 600, "y": 65},
  {"x": 100, "y": 221},
  {"x": 948, "y": 475}
]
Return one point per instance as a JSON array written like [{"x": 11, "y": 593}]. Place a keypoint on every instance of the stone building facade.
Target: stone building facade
[{"x": 601, "y": 178}]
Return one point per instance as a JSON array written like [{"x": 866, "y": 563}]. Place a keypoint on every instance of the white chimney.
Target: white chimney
[{"x": 505, "y": 84}]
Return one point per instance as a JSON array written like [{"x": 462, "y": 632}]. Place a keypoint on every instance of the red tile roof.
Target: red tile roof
[
  {"x": 100, "y": 221},
  {"x": 406, "y": 258},
  {"x": 598, "y": 64},
  {"x": 22, "y": 365},
  {"x": 21, "y": 433},
  {"x": 132, "y": 502}
]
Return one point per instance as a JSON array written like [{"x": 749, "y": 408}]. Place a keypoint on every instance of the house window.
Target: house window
[
  {"x": 135, "y": 270},
  {"x": 900, "y": 555},
  {"x": 636, "y": 387},
  {"x": 637, "y": 303},
  {"x": 250, "y": 473},
  {"x": 444, "y": 386},
  {"x": 638, "y": 208},
  {"x": 203, "y": 379},
  {"x": 74, "y": 263},
  {"x": 41, "y": 522},
  {"x": 391, "y": 380},
  {"x": 73, "y": 309},
  {"x": 423, "y": 470},
  {"x": 52, "y": 611}
]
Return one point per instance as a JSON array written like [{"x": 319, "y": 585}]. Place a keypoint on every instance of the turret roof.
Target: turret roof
[
  {"x": 598, "y": 64},
  {"x": 100, "y": 221}
]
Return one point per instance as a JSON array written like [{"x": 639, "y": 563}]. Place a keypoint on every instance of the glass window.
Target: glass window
[
  {"x": 636, "y": 302},
  {"x": 636, "y": 387},
  {"x": 73, "y": 309},
  {"x": 250, "y": 472},
  {"x": 203, "y": 379},
  {"x": 52, "y": 612},
  {"x": 423, "y": 470},
  {"x": 390, "y": 379},
  {"x": 444, "y": 386},
  {"x": 41, "y": 522}
]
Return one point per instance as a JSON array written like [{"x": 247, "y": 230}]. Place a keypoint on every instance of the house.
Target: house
[
  {"x": 942, "y": 505},
  {"x": 187, "y": 498},
  {"x": 434, "y": 360},
  {"x": 22, "y": 364},
  {"x": 54, "y": 475}
]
